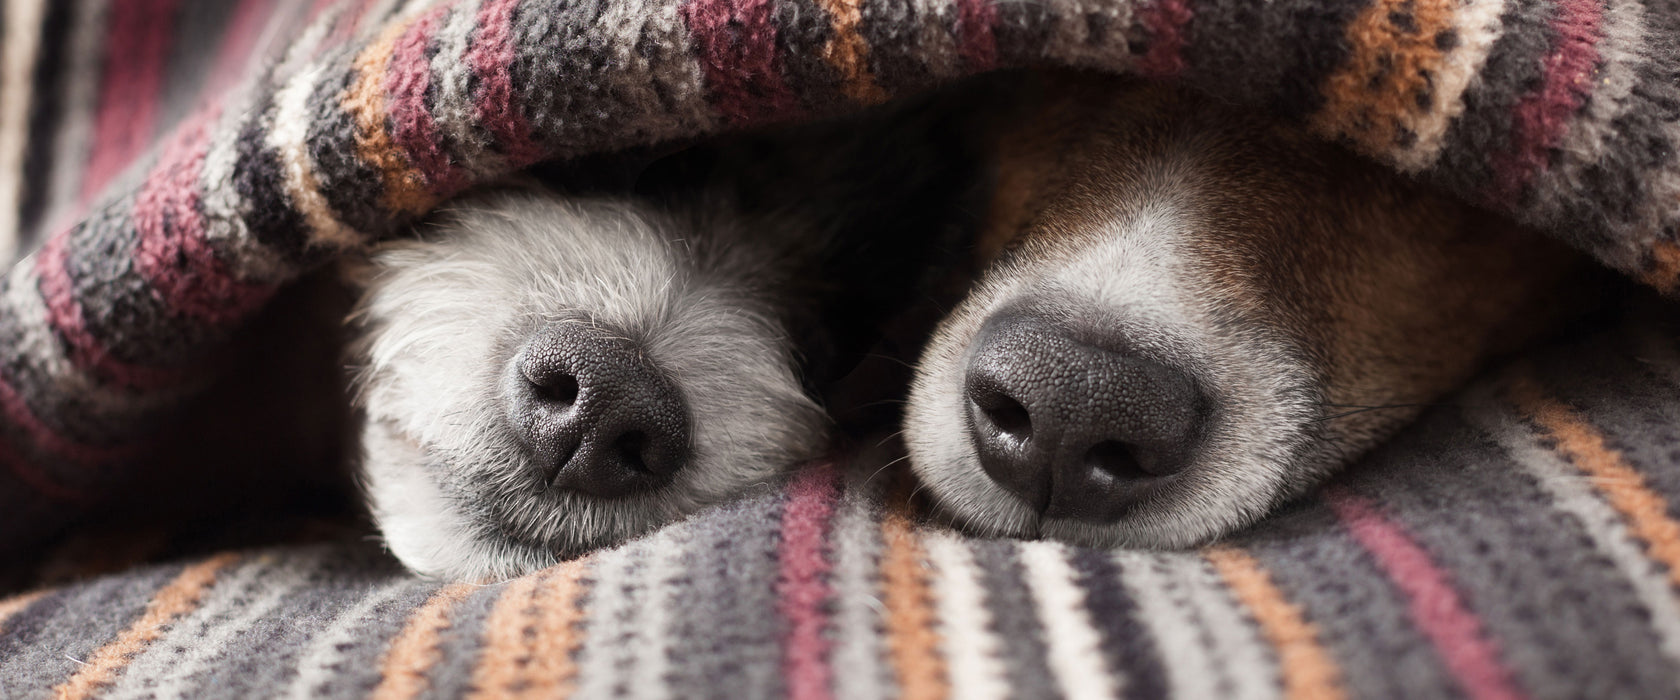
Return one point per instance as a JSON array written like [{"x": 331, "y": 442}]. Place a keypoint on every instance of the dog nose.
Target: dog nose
[
  {"x": 1077, "y": 431},
  {"x": 594, "y": 412}
]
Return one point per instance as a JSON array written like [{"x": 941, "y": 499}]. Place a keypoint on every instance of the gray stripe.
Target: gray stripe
[
  {"x": 726, "y": 634},
  {"x": 460, "y": 644}
]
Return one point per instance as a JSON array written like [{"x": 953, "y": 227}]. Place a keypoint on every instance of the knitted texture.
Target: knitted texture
[{"x": 1522, "y": 540}]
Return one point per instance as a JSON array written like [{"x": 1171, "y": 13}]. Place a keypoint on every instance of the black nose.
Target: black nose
[
  {"x": 594, "y": 413},
  {"x": 1077, "y": 431}
]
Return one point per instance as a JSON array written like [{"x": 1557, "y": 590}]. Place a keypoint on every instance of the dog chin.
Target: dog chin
[
  {"x": 456, "y": 490},
  {"x": 1257, "y": 444}
]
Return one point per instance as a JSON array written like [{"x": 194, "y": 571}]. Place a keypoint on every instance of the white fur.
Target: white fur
[{"x": 443, "y": 316}]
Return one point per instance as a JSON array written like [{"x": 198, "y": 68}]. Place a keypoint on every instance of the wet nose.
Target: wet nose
[
  {"x": 1077, "y": 431},
  {"x": 594, "y": 413}
]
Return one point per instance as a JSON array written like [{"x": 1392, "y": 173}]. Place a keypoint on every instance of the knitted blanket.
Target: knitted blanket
[{"x": 170, "y": 165}]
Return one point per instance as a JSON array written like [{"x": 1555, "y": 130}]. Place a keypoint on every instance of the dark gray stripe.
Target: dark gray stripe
[
  {"x": 1132, "y": 651},
  {"x": 1276, "y": 54},
  {"x": 725, "y": 636},
  {"x": 45, "y": 119},
  {"x": 1019, "y": 632},
  {"x": 892, "y": 29},
  {"x": 1513, "y": 66}
]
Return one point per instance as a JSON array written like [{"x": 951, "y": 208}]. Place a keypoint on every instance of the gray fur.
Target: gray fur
[{"x": 442, "y": 316}]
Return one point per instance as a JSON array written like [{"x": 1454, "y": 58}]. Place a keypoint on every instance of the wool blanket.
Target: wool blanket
[{"x": 168, "y": 166}]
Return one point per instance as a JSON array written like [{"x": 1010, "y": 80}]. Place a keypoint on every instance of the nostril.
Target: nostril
[
  {"x": 631, "y": 447},
  {"x": 1005, "y": 414},
  {"x": 1116, "y": 459},
  {"x": 559, "y": 388}
]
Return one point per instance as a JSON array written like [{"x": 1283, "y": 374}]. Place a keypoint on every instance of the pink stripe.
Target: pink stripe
[
  {"x": 172, "y": 254},
  {"x": 803, "y": 583},
  {"x": 350, "y": 21},
  {"x": 136, "y": 45},
  {"x": 976, "y": 43},
  {"x": 414, "y": 131},
  {"x": 1165, "y": 22},
  {"x": 736, "y": 42},
  {"x": 1435, "y": 606},
  {"x": 1541, "y": 117},
  {"x": 64, "y": 314},
  {"x": 18, "y": 413},
  {"x": 29, "y": 474},
  {"x": 234, "y": 55},
  {"x": 491, "y": 55}
]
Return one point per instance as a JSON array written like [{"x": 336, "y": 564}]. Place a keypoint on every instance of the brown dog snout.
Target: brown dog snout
[{"x": 1078, "y": 431}]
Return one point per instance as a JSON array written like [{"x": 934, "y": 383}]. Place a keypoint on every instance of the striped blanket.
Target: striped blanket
[{"x": 168, "y": 166}]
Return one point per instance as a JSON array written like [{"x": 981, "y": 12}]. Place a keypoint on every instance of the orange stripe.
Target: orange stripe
[
  {"x": 1389, "y": 70},
  {"x": 1664, "y": 272},
  {"x": 415, "y": 650},
  {"x": 1308, "y": 671},
  {"x": 911, "y": 638},
  {"x": 405, "y": 189},
  {"x": 1606, "y": 469},
  {"x": 505, "y": 651},
  {"x": 531, "y": 636},
  {"x": 16, "y": 604},
  {"x": 553, "y": 671},
  {"x": 178, "y": 598},
  {"x": 849, "y": 53}
]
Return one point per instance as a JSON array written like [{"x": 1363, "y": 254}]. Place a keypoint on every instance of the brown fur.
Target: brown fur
[{"x": 1388, "y": 294}]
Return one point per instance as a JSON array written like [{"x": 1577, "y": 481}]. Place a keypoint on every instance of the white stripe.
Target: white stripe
[
  {"x": 17, "y": 78},
  {"x": 240, "y": 597},
  {"x": 1071, "y": 641},
  {"x": 971, "y": 648},
  {"x": 936, "y": 46},
  {"x": 1476, "y": 24},
  {"x": 1243, "y": 657},
  {"x": 860, "y": 669},
  {"x": 289, "y": 138},
  {"x": 320, "y": 662},
  {"x": 79, "y": 101},
  {"x": 1572, "y": 493},
  {"x": 612, "y": 610},
  {"x": 1215, "y": 652},
  {"x": 662, "y": 567}
]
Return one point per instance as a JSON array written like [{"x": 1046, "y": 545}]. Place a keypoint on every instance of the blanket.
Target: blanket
[{"x": 169, "y": 166}]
